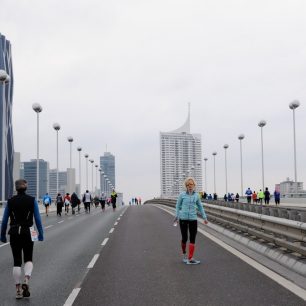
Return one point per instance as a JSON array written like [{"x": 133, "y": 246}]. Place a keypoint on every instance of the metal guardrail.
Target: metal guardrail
[
  {"x": 280, "y": 212},
  {"x": 289, "y": 234}
]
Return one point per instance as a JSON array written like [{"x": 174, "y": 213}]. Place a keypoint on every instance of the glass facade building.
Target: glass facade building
[
  {"x": 6, "y": 131},
  {"x": 29, "y": 170},
  {"x": 107, "y": 164},
  {"x": 180, "y": 157}
]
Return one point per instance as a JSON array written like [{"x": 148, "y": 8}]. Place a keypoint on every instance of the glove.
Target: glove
[{"x": 3, "y": 239}]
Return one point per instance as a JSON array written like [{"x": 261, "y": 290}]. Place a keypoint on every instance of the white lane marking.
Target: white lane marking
[
  {"x": 111, "y": 230},
  {"x": 115, "y": 223},
  {"x": 72, "y": 296},
  {"x": 104, "y": 241},
  {"x": 300, "y": 292},
  {"x": 93, "y": 261},
  {"x": 49, "y": 226},
  {"x": 61, "y": 221},
  {"x": 4, "y": 244},
  {"x": 118, "y": 219}
]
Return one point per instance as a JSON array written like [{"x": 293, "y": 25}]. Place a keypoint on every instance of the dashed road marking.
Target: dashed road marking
[
  {"x": 72, "y": 296},
  {"x": 118, "y": 219},
  {"x": 104, "y": 241},
  {"x": 49, "y": 226},
  {"x": 115, "y": 223},
  {"x": 93, "y": 261},
  {"x": 60, "y": 221},
  {"x": 111, "y": 230},
  {"x": 4, "y": 244}
]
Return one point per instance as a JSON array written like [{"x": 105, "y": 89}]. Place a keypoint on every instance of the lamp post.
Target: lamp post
[
  {"x": 4, "y": 78},
  {"x": 70, "y": 140},
  {"x": 86, "y": 156},
  {"x": 57, "y": 127},
  {"x": 241, "y": 137},
  {"x": 261, "y": 124},
  {"x": 37, "y": 108},
  {"x": 293, "y": 105},
  {"x": 214, "y": 155},
  {"x": 205, "y": 175},
  {"x": 79, "y": 150},
  {"x": 92, "y": 161},
  {"x": 100, "y": 180},
  {"x": 225, "y": 148},
  {"x": 96, "y": 166}
]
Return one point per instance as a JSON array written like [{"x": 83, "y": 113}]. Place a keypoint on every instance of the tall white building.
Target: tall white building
[{"x": 180, "y": 157}]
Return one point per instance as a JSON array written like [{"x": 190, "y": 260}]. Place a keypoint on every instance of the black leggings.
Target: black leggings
[
  {"x": 193, "y": 228},
  {"x": 19, "y": 244}
]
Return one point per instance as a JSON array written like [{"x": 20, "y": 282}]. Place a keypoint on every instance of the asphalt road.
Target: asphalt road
[
  {"x": 132, "y": 257},
  {"x": 141, "y": 265},
  {"x": 60, "y": 262}
]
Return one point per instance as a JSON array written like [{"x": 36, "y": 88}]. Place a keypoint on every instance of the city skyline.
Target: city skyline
[{"x": 138, "y": 66}]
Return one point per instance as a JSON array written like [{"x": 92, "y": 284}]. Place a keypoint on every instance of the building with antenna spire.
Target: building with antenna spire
[{"x": 180, "y": 157}]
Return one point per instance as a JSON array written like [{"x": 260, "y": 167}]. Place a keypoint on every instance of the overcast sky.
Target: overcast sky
[{"x": 117, "y": 73}]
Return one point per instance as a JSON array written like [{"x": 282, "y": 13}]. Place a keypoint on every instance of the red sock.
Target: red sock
[
  {"x": 183, "y": 247},
  {"x": 191, "y": 250}
]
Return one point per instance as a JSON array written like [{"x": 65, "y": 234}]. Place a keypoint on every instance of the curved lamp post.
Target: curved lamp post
[
  {"x": 86, "y": 156},
  {"x": 4, "y": 78},
  {"x": 92, "y": 161},
  {"x": 37, "y": 109},
  {"x": 70, "y": 140},
  {"x": 79, "y": 150},
  {"x": 241, "y": 137},
  {"x": 261, "y": 124},
  {"x": 57, "y": 127},
  {"x": 225, "y": 148},
  {"x": 205, "y": 160},
  {"x": 294, "y": 105},
  {"x": 214, "y": 155},
  {"x": 96, "y": 166}
]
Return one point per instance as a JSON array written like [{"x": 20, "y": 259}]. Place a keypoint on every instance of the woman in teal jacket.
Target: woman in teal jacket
[{"x": 186, "y": 212}]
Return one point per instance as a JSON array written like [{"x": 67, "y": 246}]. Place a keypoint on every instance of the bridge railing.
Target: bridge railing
[{"x": 289, "y": 234}]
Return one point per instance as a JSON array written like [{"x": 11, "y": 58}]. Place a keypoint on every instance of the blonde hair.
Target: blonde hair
[{"x": 188, "y": 179}]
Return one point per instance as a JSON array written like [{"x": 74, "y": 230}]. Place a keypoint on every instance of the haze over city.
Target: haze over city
[{"x": 118, "y": 73}]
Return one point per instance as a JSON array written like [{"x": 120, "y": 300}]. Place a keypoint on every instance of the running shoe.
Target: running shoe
[
  {"x": 192, "y": 261},
  {"x": 185, "y": 258},
  {"x": 25, "y": 288},
  {"x": 19, "y": 294}
]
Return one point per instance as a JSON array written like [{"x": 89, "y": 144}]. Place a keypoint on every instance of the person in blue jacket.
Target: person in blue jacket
[
  {"x": 47, "y": 202},
  {"x": 21, "y": 209},
  {"x": 186, "y": 212}
]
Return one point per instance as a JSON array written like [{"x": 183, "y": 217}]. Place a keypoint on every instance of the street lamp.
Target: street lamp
[
  {"x": 241, "y": 137},
  {"x": 37, "y": 108},
  {"x": 96, "y": 179},
  {"x": 57, "y": 127},
  {"x": 86, "y": 156},
  {"x": 70, "y": 140},
  {"x": 293, "y": 105},
  {"x": 4, "y": 78},
  {"x": 205, "y": 160},
  {"x": 225, "y": 148},
  {"x": 214, "y": 155},
  {"x": 261, "y": 124},
  {"x": 92, "y": 161},
  {"x": 79, "y": 150}
]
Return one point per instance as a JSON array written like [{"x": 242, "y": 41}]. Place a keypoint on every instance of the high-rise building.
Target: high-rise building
[
  {"x": 62, "y": 182},
  {"x": 6, "y": 132},
  {"x": 107, "y": 164},
  {"x": 16, "y": 167},
  {"x": 180, "y": 157},
  {"x": 30, "y": 176}
]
